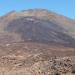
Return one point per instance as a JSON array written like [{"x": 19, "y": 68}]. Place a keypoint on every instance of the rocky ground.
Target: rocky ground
[{"x": 36, "y": 59}]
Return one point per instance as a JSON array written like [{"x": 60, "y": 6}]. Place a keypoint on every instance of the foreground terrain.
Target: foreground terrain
[{"x": 36, "y": 59}]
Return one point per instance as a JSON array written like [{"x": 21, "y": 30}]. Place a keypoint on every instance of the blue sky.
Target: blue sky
[{"x": 64, "y": 7}]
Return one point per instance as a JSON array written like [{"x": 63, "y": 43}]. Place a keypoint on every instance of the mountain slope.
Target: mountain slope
[
  {"x": 34, "y": 29},
  {"x": 38, "y": 25}
]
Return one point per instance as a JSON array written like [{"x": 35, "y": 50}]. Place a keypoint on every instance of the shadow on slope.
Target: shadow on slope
[{"x": 37, "y": 30}]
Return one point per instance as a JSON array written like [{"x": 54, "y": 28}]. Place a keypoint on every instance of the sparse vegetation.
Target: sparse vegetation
[{"x": 57, "y": 74}]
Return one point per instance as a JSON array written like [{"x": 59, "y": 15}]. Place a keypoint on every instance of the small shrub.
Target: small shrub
[
  {"x": 57, "y": 73},
  {"x": 73, "y": 71}
]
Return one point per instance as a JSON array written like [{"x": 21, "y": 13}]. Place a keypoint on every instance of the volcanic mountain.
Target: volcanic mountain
[
  {"x": 37, "y": 25},
  {"x": 37, "y": 42}
]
